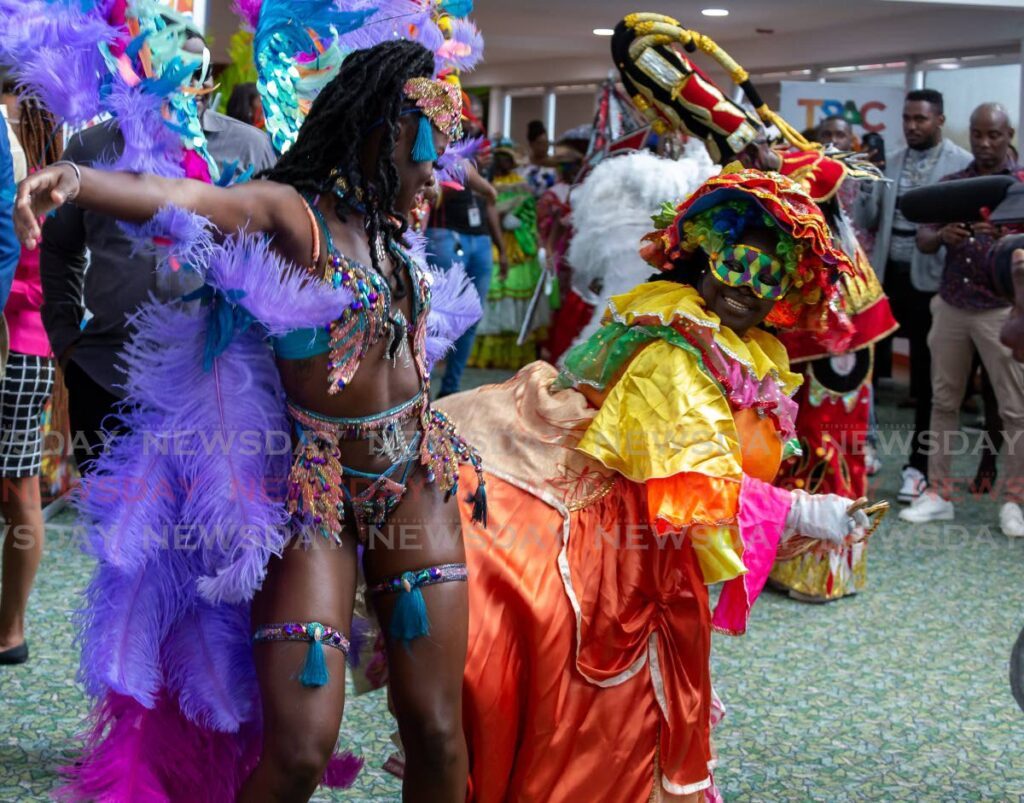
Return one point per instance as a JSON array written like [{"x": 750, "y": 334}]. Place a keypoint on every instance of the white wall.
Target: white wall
[
  {"x": 964, "y": 89},
  {"x": 573, "y": 109}
]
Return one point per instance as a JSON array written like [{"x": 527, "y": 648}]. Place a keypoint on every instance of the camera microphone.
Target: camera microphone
[{"x": 959, "y": 201}]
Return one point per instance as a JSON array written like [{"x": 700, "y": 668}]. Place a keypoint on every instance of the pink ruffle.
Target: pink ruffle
[
  {"x": 746, "y": 390},
  {"x": 762, "y": 517}
]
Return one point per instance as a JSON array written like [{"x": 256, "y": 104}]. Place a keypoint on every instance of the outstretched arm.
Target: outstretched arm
[{"x": 258, "y": 206}]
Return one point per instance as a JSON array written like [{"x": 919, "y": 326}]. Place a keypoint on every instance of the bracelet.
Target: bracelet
[{"x": 78, "y": 174}]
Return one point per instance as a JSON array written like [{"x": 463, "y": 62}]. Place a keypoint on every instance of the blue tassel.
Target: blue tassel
[
  {"x": 314, "y": 671},
  {"x": 423, "y": 149},
  {"x": 409, "y": 619}
]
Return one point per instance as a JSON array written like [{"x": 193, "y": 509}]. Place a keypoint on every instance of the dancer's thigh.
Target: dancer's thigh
[
  {"x": 425, "y": 675},
  {"x": 311, "y": 583}
]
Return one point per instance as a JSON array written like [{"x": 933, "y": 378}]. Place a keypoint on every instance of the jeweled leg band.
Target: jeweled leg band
[
  {"x": 409, "y": 619},
  {"x": 314, "y": 670},
  {"x": 406, "y": 581}
]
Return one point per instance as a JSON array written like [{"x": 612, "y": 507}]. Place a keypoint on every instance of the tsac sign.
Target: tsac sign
[{"x": 868, "y": 108}]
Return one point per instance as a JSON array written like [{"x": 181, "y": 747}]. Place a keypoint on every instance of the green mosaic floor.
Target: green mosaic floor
[{"x": 899, "y": 694}]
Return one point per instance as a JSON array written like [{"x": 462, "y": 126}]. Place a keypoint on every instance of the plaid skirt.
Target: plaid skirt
[{"x": 24, "y": 388}]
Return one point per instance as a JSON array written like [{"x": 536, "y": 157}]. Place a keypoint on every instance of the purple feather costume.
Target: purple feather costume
[
  {"x": 183, "y": 515},
  {"x": 184, "y": 511}
]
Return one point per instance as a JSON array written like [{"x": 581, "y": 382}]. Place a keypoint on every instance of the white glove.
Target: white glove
[
  {"x": 823, "y": 516},
  {"x": 510, "y": 222}
]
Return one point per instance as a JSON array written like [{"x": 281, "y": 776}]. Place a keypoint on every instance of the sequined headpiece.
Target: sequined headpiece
[{"x": 440, "y": 101}]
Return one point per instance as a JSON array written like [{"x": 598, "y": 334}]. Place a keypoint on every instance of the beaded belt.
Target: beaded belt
[{"x": 357, "y": 428}]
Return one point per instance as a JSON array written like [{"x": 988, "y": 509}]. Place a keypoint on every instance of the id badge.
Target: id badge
[{"x": 474, "y": 216}]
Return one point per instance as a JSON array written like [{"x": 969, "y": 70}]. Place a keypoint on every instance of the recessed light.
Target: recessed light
[
  {"x": 715, "y": 12},
  {"x": 603, "y": 32},
  {"x": 949, "y": 65}
]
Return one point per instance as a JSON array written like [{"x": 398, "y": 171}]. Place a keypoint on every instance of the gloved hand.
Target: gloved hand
[
  {"x": 823, "y": 516},
  {"x": 510, "y": 222}
]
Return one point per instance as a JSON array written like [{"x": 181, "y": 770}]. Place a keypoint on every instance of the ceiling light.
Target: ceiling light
[
  {"x": 603, "y": 32},
  {"x": 715, "y": 12},
  {"x": 949, "y": 65}
]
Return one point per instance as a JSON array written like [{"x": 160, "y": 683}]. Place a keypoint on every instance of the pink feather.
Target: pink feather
[
  {"x": 139, "y": 755},
  {"x": 248, "y": 10},
  {"x": 342, "y": 770}
]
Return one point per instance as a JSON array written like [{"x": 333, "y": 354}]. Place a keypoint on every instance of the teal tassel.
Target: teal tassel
[
  {"x": 423, "y": 149},
  {"x": 314, "y": 671},
  {"x": 409, "y": 619}
]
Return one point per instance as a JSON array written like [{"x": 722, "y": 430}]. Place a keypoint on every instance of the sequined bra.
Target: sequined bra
[{"x": 370, "y": 317}]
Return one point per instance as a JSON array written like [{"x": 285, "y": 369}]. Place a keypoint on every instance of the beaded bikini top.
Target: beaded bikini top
[{"x": 371, "y": 316}]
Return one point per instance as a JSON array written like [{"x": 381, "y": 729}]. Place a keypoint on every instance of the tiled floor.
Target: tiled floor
[{"x": 899, "y": 694}]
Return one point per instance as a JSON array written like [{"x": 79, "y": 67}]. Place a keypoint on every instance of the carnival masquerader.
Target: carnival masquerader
[
  {"x": 512, "y": 288},
  {"x": 554, "y": 224},
  {"x": 621, "y": 488},
  {"x": 370, "y": 451},
  {"x": 651, "y": 52}
]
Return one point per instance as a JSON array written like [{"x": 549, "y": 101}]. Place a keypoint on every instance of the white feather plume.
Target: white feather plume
[{"x": 611, "y": 212}]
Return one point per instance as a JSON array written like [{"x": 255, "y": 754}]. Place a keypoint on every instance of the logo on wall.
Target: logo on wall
[
  {"x": 868, "y": 108},
  {"x": 856, "y": 115}
]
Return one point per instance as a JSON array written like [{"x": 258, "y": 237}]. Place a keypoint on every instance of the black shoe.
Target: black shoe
[{"x": 15, "y": 655}]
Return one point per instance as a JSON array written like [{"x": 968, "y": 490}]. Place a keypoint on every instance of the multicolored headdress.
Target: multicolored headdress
[
  {"x": 671, "y": 90},
  {"x": 300, "y": 46},
  {"x": 84, "y": 60},
  {"x": 674, "y": 94},
  {"x": 802, "y": 274}
]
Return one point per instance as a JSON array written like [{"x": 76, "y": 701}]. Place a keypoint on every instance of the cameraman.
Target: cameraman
[{"x": 967, "y": 314}]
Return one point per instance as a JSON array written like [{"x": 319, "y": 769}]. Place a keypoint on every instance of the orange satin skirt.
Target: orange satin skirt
[{"x": 588, "y": 674}]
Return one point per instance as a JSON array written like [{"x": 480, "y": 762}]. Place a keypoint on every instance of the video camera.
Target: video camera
[{"x": 996, "y": 199}]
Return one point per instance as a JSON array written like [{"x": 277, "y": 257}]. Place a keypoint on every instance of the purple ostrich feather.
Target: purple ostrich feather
[{"x": 454, "y": 307}]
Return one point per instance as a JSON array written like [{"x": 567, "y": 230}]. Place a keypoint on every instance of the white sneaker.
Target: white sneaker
[
  {"x": 872, "y": 463},
  {"x": 1011, "y": 520},
  {"x": 929, "y": 506},
  {"x": 913, "y": 485}
]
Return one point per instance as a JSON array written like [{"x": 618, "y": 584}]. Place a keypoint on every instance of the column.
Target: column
[
  {"x": 496, "y": 110},
  {"x": 1020, "y": 112},
  {"x": 550, "y": 104}
]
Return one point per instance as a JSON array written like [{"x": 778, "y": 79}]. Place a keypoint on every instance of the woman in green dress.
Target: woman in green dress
[{"x": 508, "y": 300}]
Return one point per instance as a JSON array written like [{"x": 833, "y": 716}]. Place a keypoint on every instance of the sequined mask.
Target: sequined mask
[{"x": 746, "y": 265}]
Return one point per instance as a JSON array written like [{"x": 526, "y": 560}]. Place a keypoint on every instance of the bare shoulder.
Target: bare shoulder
[{"x": 280, "y": 211}]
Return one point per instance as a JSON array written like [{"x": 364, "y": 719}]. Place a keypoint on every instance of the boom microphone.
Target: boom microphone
[{"x": 959, "y": 201}]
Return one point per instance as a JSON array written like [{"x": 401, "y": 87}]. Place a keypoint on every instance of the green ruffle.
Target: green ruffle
[{"x": 596, "y": 361}]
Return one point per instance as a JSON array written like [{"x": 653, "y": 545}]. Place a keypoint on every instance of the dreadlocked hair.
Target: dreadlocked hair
[
  {"x": 39, "y": 134},
  {"x": 367, "y": 93}
]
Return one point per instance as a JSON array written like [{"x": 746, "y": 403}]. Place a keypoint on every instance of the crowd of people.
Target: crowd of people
[{"x": 694, "y": 328}]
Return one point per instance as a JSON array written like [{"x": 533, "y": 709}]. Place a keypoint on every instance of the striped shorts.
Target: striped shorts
[{"x": 24, "y": 389}]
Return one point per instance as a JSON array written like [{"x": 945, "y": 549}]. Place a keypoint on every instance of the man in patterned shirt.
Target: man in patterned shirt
[{"x": 969, "y": 313}]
